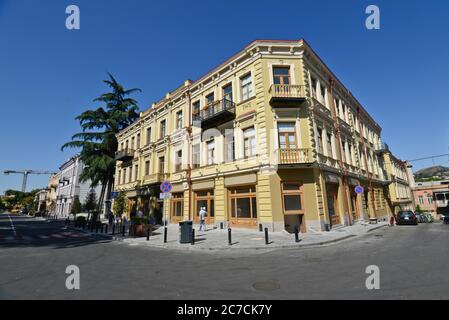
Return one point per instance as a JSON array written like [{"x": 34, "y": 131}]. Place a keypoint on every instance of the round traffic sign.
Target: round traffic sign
[
  {"x": 358, "y": 189},
  {"x": 166, "y": 186}
]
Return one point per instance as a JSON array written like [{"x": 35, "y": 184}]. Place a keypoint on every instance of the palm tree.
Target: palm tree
[{"x": 98, "y": 142}]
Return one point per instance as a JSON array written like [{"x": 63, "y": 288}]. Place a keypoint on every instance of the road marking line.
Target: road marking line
[{"x": 12, "y": 225}]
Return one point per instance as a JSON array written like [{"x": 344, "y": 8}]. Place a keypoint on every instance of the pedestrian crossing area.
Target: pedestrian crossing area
[{"x": 45, "y": 237}]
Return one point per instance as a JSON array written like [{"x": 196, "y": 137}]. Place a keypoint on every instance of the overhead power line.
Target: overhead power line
[{"x": 430, "y": 157}]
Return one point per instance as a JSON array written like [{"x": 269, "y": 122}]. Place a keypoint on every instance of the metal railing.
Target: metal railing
[
  {"x": 124, "y": 153},
  {"x": 215, "y": 108}
]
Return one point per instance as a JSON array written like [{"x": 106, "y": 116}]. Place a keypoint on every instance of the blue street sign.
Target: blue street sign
[
  {"x": 114, "y": 194},
  {"x": 166, "y": 187},
  {"x": 358, "y": 189}
]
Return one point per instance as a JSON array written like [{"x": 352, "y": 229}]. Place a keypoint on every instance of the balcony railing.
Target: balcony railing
[
  {"x": 294, "y": 156},
  {"x": 215, "y": 113},
  {"x": 155, "y": 178},
  {"x": 282, "y": 94},
  {"x": 382, "y": 147},
  {"x": 125, "y": 154}
]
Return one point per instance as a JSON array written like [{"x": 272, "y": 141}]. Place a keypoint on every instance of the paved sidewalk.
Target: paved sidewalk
[{"x": 216, "y": 239}]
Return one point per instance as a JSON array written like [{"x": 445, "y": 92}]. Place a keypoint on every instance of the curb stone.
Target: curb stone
[{"x": 229, "y": 248}]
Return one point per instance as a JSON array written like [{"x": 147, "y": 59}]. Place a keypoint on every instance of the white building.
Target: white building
[
  {"x": 69, "y": 186},
  {"x": 41, "y": 199}
]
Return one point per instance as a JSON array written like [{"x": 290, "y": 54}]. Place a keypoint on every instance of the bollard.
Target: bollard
[
  {"x": 193, "y": 237},
  {"x": 296, "y": 234},
  {"x": 102, "y": 228},
  {"x": 113, "y": 229},
  {"x": 148, "y": 234},
  {"x": 221, "y": 225},
  {"x": 230, "y": 236},
  {"x": 165, "y": 234},
  {"x": 266, "y": 236},
  {"x": 106, "y": 228},
  {"x": 260, "y": 227},
  {"x": 123, "y": 231}
]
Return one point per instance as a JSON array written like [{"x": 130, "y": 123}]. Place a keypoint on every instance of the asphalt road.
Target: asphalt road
[{"x": 34, "y": 254}]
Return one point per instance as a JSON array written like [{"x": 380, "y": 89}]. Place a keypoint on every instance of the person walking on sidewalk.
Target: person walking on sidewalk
[{"x": 203, "y": 214}]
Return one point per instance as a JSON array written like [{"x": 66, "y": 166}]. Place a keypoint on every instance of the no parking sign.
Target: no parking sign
[
  {"x": 358, "y": 189},
  {"x": 166, "y": 187}
]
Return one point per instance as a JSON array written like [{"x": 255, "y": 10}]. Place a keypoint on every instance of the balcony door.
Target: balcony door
[
  {"x": 288, "y": 145},
  {"x": 281, "y": 75},
  {"x": 287, "y": 135}
]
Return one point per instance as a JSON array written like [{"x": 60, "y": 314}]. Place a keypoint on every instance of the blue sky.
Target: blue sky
[{"x": 49, "y": 74}]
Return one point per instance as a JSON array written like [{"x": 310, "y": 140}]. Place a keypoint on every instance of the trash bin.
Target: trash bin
[{"x": 185, "y": 232}]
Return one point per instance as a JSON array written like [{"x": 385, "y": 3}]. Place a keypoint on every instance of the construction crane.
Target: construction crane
[{"x": 25, "y": 174}]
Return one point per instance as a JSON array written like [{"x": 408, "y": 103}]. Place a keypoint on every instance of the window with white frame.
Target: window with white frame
[
  {"x": 196, "y": 156},
  {"x": 229, "y": 147},
  {"x": 179, "y": 120},
  {"x": 178, "y": 160},
  {"x": 246, "y": 86},
  {"x": 210, "y": 152},
  {"x": 421, "y": 199},
  {"x": 249, "y": 142}
]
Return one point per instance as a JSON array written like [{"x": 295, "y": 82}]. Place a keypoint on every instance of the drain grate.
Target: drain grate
[{"x": 269, "y": 285}]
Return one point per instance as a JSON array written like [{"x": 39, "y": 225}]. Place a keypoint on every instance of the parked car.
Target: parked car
[
  {"x": 406, "y": 217},
  {"x": 24, "y": 211}
]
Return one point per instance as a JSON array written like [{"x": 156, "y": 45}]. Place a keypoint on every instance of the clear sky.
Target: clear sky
[{"x": 49, "y": 74}]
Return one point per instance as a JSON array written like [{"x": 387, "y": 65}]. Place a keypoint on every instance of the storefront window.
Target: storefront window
[
  {"x": 205, "y": 199},
  {"x": 243, "y": 203},
  {"x": 292, "y": 197},
  {"x": 177, "y": 204}
]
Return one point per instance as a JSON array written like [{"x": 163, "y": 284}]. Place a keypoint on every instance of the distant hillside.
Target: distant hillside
[{"x": 436, "y": 171}]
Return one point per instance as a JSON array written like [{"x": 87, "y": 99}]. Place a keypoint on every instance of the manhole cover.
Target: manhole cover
[{"x": 266, "y": 285}]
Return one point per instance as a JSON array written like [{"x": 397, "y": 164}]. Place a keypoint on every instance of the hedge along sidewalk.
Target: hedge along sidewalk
[{"x": 217, "y": 239}]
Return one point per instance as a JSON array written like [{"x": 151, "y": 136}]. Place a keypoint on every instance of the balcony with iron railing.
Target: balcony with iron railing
[
  {"x": 295, "y": 156},
  {"x": 124, "y": 154},
  {"x": 215, "y": 113},
  {"x": 285, "y": 95},
  {"x": 381, "y": 147}
]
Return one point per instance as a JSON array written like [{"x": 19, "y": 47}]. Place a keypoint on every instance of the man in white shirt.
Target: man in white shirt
[{"x": 202, "y": 215}]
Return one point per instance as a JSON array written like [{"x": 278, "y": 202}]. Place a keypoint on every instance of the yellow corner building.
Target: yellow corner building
[{"x": 270, "y": 137}]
